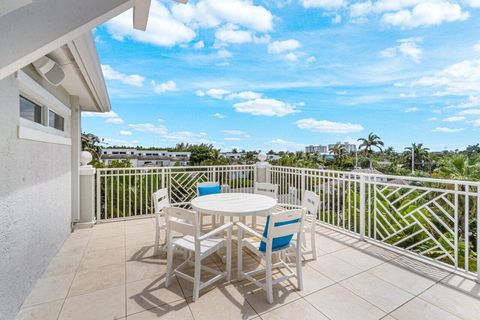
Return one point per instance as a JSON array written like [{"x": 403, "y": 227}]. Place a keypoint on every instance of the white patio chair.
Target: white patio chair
[
  {"x": 185, "y": 221},
  {"x": 277, "y": 236},
  {"x": 160, "y": 201},
  {"x": 311, "y": 203},
  {"x": 266, "y": 189}
]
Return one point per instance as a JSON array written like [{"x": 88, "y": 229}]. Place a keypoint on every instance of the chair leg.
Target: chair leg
[
  {"x": 239, "y": 255},
  {"x": 229, "y": 254},
  {"x": 170, "y": 251},
  {"x": 196, "y": 278},
  {"x": 268, "y": 280},
  {"x": 254, "y": 222},
  {"x": 157, "y": 240},
  {"x": 313, "y": 241},
  {"x": 298, "y": 258}
]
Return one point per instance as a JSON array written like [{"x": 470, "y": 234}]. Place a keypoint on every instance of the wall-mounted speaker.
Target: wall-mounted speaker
[{"x": 49, "y": 70}]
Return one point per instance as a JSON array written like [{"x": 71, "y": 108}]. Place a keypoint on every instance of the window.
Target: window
[
  {"x": 30, "y": 110},
  {"x": 55, "y": 121}
]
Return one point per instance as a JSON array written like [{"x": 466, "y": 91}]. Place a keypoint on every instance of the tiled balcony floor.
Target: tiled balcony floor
[{"x": 109, "y": 272}]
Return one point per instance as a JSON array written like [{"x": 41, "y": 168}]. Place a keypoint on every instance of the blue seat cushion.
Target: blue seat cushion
[
  {"x": 203, "y": 191},
  {"x": 279, "y": 242}
]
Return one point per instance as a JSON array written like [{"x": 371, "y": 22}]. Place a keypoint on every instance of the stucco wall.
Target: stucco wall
[{"x": 35, "y": 204}]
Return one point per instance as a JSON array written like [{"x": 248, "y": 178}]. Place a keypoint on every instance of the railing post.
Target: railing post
[
  {"x": 362, "y": 207},
  {"x": 261, "y": 169},
  {"x": 87, "y": 197}
]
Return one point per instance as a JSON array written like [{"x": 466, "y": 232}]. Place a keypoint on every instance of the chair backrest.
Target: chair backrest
[
  {"x": 183, "y": 221},
  {"x": 311, "y": 202},
  {"x": 209, "y": 187},
  {"x": 266, "y": 189},
  {"x": 280, "y": 229},
  {"x": 160, "y": 200}
]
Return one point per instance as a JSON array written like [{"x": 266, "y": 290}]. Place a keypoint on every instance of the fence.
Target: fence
[
  {"x": 126, "y": 192},
  {"x": 433, "y": 219}
]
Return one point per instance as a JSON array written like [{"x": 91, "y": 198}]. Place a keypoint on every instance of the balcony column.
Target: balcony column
[
  {"x": 262, "y": 169},
  {"x": 87, "y": 192}
]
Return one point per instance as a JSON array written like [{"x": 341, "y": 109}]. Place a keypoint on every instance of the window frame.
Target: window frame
[{"x": 31, "y": 130}]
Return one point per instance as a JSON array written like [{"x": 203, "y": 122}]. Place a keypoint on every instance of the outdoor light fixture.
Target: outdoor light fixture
[{"x": 49, "y": 70}]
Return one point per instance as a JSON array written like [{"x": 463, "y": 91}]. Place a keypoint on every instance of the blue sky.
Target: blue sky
[{"x": 282, "y": 74}]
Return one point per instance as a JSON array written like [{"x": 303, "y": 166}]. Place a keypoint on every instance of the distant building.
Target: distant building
[
  {"x": 349, "y": 147},
  {"x": 316, "y": 149},
  {"x": 233, "y": 155},
  {"x": 146, "y": 157}
]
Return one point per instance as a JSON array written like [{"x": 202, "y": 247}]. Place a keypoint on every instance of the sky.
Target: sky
[{"x": 282, "y": 74}]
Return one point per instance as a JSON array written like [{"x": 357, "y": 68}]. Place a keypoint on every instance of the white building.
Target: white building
[
  {"x": 349, "y": 147},
  {"x": 49, "y": 74},
  {"x": 320, "y": 149},
  {"x": 145, "y": 157}
]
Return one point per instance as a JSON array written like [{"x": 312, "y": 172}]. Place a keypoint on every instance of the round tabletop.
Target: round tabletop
[{"x": 234, "y": 204}]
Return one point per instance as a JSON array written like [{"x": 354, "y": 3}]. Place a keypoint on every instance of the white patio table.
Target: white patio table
[{"x": 234, "y": 204}]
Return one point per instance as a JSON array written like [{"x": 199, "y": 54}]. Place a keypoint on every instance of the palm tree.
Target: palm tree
[
  {"x": 420, "y": 154},
  {"x": 367, "y": 144},
  {"x": 339, "y": 152},
  {"x": 459, "y": 167}
]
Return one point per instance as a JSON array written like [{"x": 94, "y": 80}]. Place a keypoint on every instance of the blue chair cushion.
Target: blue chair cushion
[
  {"x": 203, "y": 191},
  {"x": 279, "y": 242}
]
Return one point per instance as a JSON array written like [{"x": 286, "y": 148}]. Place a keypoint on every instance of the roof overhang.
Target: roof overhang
[{"x": 40, "y": 27}]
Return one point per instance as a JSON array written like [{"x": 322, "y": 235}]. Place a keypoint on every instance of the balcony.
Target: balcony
[{"x": 388, "y": 247}]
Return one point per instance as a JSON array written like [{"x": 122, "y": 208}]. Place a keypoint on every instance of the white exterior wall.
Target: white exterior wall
[{"x": 35, "y": 203}]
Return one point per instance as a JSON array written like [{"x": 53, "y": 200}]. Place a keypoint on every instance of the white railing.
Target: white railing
[
  {"x": 126, "y": 192},
  {"x": 433, "y": 219}
]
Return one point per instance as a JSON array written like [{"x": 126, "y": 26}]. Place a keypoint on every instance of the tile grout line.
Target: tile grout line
[
  {"x": 75, "y": 275},
  {"x": 425, "y": 290}
]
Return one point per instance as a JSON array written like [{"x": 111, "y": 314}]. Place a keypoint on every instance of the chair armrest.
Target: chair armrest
[
  {"x": 216, "y": 231},
  {"x": 248, "y": 230}
]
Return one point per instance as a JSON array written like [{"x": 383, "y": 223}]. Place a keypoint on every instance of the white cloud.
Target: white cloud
[
  {"x": 216, "y": 93},
  {"x": 211, "y": 13},
  {"x": 162, "y": 29},
  {"x": 287, "y": 145},
  {"x": 447, "y": 130},
  {"x": 199, "y": 45},
  {"x": 426, "y": 13},
  {"x": 473, "y": 3},
  {"x": 233, "y": 139},
  {"x": 200, "y": 93},
  {"x": 112, "y": 74},
  {"x": 311, "y": 59},
  {"x": 432, "y": 119},
  {"x": 119, "y": 142},
  {"x": 125, "y": 133},
  {"x": 231, "y": 34},
  {"x": 165, "y": 87},
  {"x": 454, "y": 119},
  {"x": 223, "y": 54},
  {"x": 283, "y": 46},
  {"x": 471, "y": 112},
  {"x": 114, "y": 120},
  {"x": 110, "y": 117},
  {"x": 476, "y": 123},
  {"x": 265, "y": 107},
  {"x": 219, "y": 116},
  {"x": 410, "y": 110},
  {"x": 166, "y": 135},
  {"x": 234, "y": 132},
  {"x": 328, "y": 126},
  {"x": 462, "y": 78},
  {"x": 292, "y": 57},
  {"x": 361, "y": 9},
  {"x": 244, "y": 95},
  {"x": 324, "y": 4},
  {"x": 261, "y": 39},
  {"x": 408, "y": 48}
]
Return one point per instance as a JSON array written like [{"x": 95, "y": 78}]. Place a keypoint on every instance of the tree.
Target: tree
[
  {"x": 339, "y": 152},
  {"x": 91, "y": 143},
  {"x": 367, "y": 144},
  {"x": 420, "y": 154},
  {"x": 459, "y": 167}
]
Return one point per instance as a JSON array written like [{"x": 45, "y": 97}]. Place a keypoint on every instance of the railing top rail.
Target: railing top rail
[
  {"x": 386, "y": 176},
  {"x": 234, "y": 166}
]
